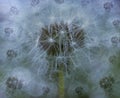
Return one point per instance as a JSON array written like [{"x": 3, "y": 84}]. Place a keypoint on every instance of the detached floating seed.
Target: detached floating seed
[
  {"x": 115, "y": 40},
  {"x": 46, "y": 90},
  {"x": 11, "y": 53},
  {"x": 81, "y": 92},
  {"x": 116, "y": 22},
  {"x": 13, "y": 83},
  {"x": 112, "y": 59},
  {"x": 8, "y": 31},
  {"x": 106, "y": 83},
  {"x": 14, "y": 10},
  {"x": 35, "y": 2},
  {"x": 108, "y": 6}
]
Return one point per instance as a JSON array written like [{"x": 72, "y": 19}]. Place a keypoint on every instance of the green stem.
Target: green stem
[{"x": 61, "y": 84}]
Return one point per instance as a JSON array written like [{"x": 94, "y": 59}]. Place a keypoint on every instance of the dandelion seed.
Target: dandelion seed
[
  {"x": 14, "y": 10},
  {"x": 11, "y": 53},
  {"x": 13, "y": 83},
  {"x": 35, "y": 2},
  {"x": 116, "y": 22},
  {"x": 106, "y": 83},
  {"x": 81, "y": 92},
  {"x": 78, "y": 38},
  {"x": 46, "y": 90},
  {"x": 8, "y": 31},
  {"x": 115, "y": 40},
  {"x": 108, "y": 6},
  {"x": 112, "y": 59}
]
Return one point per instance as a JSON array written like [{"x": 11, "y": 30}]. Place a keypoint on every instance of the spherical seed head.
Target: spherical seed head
[
  {"x": 107, "y": 82},
  {"x": 57, "y": 38}
]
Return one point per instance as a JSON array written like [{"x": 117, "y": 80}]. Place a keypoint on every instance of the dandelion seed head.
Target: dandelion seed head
[{"x": 61, "y": 38}]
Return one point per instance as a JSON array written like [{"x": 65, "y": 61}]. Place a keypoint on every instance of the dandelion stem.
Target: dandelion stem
[{"x": 61, "y": 84}]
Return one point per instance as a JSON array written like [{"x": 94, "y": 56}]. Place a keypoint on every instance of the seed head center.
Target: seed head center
[{"x": 51, "y": 40}]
